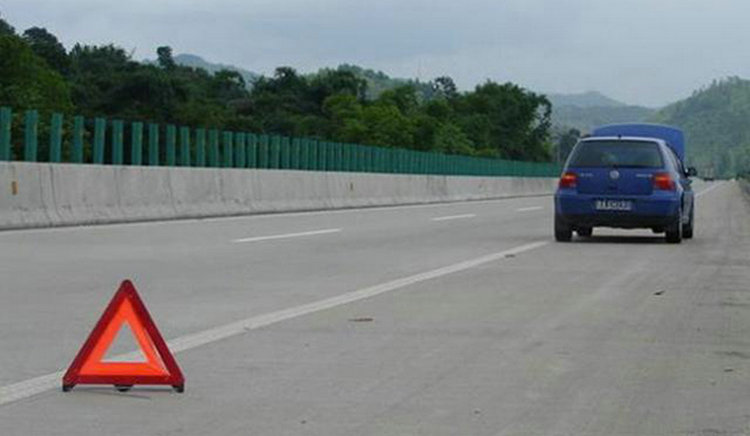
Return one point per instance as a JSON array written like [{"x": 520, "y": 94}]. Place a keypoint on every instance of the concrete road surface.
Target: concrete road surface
[{"x": 455, "y": 319}]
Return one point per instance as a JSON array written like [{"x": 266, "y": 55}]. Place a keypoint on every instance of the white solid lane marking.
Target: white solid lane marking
[
  {"x": 709, "y": 189},
  {"x": 37, "y": 385},
  {"x": 454, "y": 217},
  {"x": 287, "y": 235},
  {"x": 529, "y": 209}
]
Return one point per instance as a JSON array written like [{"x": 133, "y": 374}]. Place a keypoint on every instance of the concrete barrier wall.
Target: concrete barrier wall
[{"x": 44, "y": 195}]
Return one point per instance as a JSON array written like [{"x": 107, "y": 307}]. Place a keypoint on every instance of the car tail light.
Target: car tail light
[
  {"x": 568, "y": 180},
  {"x": 663, "y": 182}
]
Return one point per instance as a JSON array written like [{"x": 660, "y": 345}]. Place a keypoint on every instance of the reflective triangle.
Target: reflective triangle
[{"x": 126, "y": 312}]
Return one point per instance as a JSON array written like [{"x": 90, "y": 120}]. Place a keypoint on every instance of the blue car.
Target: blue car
[{"x": 627, "y": 176}]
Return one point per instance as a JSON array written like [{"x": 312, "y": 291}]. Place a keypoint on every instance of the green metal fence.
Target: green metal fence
[{"x": 101, "y": 141}]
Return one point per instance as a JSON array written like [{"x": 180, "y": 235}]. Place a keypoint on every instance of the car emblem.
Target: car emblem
[{"x": 614, "y": 174}]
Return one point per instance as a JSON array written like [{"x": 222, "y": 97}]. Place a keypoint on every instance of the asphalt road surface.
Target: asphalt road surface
[{"x": 453, "y": 319}]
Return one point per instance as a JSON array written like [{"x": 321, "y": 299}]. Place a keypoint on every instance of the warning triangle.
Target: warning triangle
[{"x": 156, "y": 366}]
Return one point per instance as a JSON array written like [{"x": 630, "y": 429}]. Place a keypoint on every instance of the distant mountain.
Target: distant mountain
[
  {"x": 715, "y": 121},
  {"x": 190, "y": 60},
  {"x": 586, "y": 118},
  {"x": 590, "y": 109},
  {"x": 584, "y": 100}
]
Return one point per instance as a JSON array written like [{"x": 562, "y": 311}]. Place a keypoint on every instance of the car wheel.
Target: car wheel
[
  {"x": 687, "y": 229},
  {"x": 563, "y": 232},
  {"x": 674, "y": 231},
  {"x": 585, "y": 231}
]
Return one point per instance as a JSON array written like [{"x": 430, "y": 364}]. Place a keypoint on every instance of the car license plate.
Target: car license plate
[{"x": 621, "y": 205}]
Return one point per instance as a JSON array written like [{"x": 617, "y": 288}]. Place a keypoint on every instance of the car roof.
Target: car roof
[
  {"x": 624, "y": 138},
  {"x": 674, "y": 137}
]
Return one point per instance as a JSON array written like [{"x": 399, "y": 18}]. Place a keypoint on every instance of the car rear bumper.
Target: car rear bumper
[{"x": 577, "y": 210}]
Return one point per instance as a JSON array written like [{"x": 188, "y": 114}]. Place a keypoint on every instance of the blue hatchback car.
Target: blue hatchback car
[{"x": 626, "y": 176}]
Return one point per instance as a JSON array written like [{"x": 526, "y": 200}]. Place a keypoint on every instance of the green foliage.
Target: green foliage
[
  {"x": 46, "y": 46},
  {"x": 26, "y": 81},
  {"x": 5, "y": 28},
  {"x": 715, "y": 122},
  {"x": 347, "y": 104},
  {"x": 450, "y": 139}
]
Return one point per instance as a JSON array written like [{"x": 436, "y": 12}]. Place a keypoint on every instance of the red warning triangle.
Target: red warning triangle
[{"x": 159, "y": 367}]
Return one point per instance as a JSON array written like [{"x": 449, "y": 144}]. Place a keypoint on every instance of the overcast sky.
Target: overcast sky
[{"x": 648, "y": 52}]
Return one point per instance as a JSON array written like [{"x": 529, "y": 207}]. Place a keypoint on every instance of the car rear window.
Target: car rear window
[{"x": 616, "y": 153}]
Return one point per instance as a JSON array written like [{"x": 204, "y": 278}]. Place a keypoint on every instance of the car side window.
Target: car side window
[{"x": 676, "y": 161}]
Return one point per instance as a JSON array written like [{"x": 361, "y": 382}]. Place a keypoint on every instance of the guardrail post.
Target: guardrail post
[
  {"x": 78, "y": 132},
  {"x": 171, "y": 156},
  {"x": 312, "y": 146},
  {"x": 117, "y": 140},
  {"x": 252, "y": 150},
  {"x": 153, "y": 144},
  {"x": 55, "y": 138},
  {"x": 240, "y": 151},
  {"x": 346, "y": 157},
  {"x": 339, "y": 159},
  {"x": 275, "y": 152},
  {"x": 136, "y": 144},
  {"x": 263, "y": 151},
  {"x": 31, "y": 139},
  {"x": 100, "y": 129},
  {"x": 184, "y": 146},
  {"x": 285, "y": 153},
  {"x": 304, "y": 154},
  {"x": 228, "y": 154},
  {"x": 325, "y": 152},
  {"x": 294, "y": 162},
  {"x": 200, "y": 147},
  {"x": 213, "y": 148},
  {"x": 6, "y": 120}
]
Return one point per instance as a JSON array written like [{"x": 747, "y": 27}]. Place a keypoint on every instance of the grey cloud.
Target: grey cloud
[{"x": 641, "y": 51}]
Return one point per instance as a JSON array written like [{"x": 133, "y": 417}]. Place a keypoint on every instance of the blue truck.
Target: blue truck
[{"x": 627, "y": 176}]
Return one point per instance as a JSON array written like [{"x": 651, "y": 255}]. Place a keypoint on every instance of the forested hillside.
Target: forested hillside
[
  {"x": 716, "y": 120},
  {"x": 494, "y": 120},
  {"x": 584, "y": 100},
  {"x": 586, "y": 118},
  {"x": 585, "y": 111},
  {"x": 194, "y": 61}
]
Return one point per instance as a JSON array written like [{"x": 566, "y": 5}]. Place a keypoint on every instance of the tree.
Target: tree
[
  {"x": 387, "y": 126},
  {"x": 165, "y": 59},
  {"x": 6, "y": 29},
  {"x": 506, "y": 121},
  {"x": 26, "y": 81},
  {"x": 566, "y": 143},
  {"x": 450, "y": 139},
  {"x": 46, "y": 46},
  {"x": 444, "y": 87}
]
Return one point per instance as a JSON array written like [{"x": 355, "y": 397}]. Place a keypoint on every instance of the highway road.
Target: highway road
[{"x": 450, "y": 319}]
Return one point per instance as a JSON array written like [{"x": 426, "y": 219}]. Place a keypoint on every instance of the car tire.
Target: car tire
[
  {"x": 687, "y": 229},
  {"x": 585, "y": 231},
  {"x": 563, "y": 232},
  {"x": 674, "y": 231}
]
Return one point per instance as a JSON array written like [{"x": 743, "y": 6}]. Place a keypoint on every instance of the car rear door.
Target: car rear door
[{"x": 610, "y": 170}]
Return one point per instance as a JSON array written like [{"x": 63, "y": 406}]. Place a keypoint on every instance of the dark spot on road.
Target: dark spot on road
[
  {"x": 728, "y": 369},
  {"x": 659, "y": 293},
  {"x": 733, "y": 304},
  {"x": 363, "y": 319},
  {"x": 712, "y": 432},
  {"x": 510, "y": 256},
  {"x": 737, "y": 354}
]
